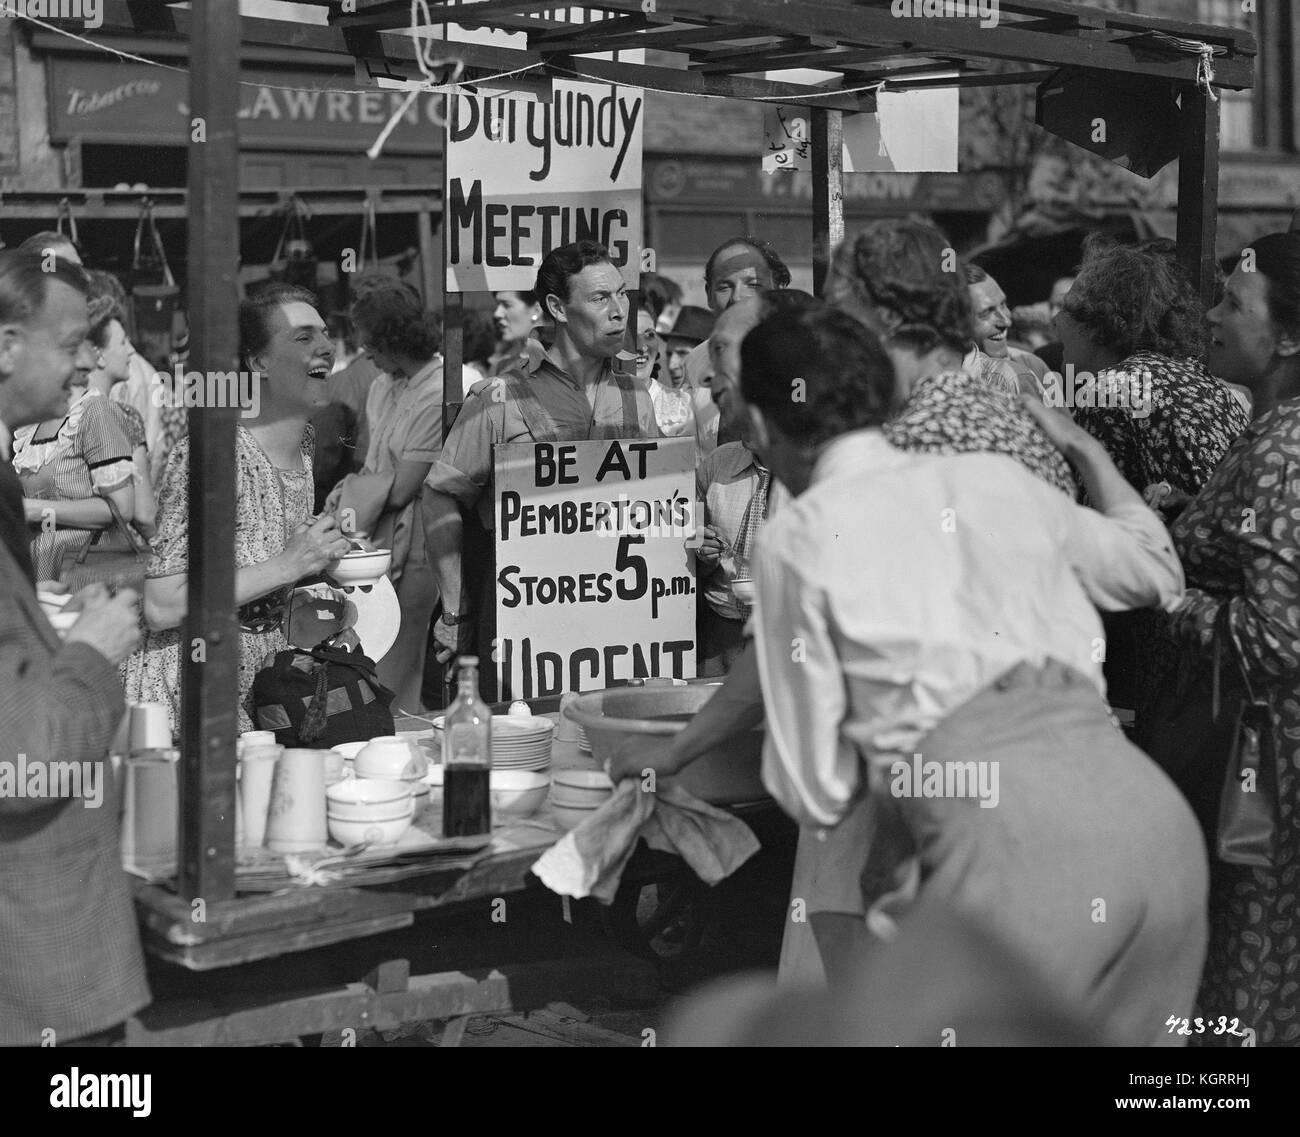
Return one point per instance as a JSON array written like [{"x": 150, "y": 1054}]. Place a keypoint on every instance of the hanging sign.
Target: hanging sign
[
  {"x": 594, "y": 583},
  {"x": 911, "y": 131},
  {"x": 524, "y": 177}
]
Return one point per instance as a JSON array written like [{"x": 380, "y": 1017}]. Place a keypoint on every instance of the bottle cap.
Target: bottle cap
[{"x": 467, "y": 661}]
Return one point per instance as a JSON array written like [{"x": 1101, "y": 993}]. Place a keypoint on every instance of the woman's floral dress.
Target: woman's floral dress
[
  {"x": 269, "y": 505},
  {"x": 1239, "y": 542}
]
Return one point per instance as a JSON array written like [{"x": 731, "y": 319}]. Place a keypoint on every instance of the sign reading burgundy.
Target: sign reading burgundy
[{"x": 128, "y": 102}]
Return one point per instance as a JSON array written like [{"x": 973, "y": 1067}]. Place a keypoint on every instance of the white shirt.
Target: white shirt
[
  {"x": 900, "y": 585},
  {"x": 673, "y": 410},
  {"x": 6, "y": 442}
]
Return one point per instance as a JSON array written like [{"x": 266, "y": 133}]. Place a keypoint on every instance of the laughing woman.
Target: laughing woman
[
  {"x": 1239, "y": 541},
  {"x": 285, "y": 344}
]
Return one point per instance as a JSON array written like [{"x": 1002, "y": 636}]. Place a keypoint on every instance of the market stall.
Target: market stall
[{"x": 731, "y": 49}]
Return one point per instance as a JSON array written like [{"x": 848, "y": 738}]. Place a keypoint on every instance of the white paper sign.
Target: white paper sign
[
  {"x": 525, "y": 176},
  {"x": 911, "y": 132},
  {"x": 594, "y": 582}
]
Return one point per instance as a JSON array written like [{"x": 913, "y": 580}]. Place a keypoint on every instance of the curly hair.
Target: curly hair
[
  {"x": 848, "y": 379},
  {"x": 107, "y": 302},
  {"x": 395, "y": 320},
  {"x": 780, "y": 274},
  {"x": 911, "y": 268},
  {"x": 1132, "y": 298}
]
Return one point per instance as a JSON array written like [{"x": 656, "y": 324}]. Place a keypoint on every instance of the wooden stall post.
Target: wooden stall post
[
  {"x": 1198, "y": 188},
  {"x": 828, "y": 190},
  {"x": 210, "y": 633}
]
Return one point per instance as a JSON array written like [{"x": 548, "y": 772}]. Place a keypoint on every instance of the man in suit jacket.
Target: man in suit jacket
[{"x": 70, "y": 959}]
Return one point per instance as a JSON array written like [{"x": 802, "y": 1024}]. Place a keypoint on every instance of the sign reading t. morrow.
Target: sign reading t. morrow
[
  {"x": 525, "y": 176},
  {"x": 594, "y": 582}
]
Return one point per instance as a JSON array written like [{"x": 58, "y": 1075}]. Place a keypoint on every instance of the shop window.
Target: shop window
[
  {"x": 693, "y": 236},
  {"x": 103, "y": 167}
]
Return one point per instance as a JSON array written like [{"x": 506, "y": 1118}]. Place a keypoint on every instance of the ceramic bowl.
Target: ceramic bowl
[
  {"x": 358, "y": 799},
  {"x": 569, "y": 817},
  {"x": 390, "y": 757},
  {"x": 361, "y": 568},
  {"x": 386, "y": 831},
  {"x": 516, "y": 793},
  {"x": 350, "y": 750},
  {"x": 580, "y": 788}
]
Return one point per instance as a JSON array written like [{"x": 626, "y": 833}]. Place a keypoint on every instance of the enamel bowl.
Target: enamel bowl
[
  {"x": 363, "y": 799},
  {"x": 570, "y": 817},
  {"x": 390, "y": 757},
  {"x": 582, "y": 789},
  {"x": 381, "y": 831},
  {"x": 517, "y": 793},
  {"x": 361, "y": 568}
]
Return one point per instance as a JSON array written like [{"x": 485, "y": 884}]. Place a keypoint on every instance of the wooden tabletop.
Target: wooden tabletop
[{"x": 202, "y": 937}]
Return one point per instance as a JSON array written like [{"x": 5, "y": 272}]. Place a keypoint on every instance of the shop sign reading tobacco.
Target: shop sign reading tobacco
[
  {"x": 594, "y": 583},
  {"x": 524, "y": 177}
]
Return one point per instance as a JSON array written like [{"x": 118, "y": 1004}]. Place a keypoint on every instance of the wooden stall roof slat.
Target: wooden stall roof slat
[{"x": 721, "y": 23}]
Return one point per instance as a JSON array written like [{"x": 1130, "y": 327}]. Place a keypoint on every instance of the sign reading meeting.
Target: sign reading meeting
[
  {"x": 594, "y": 583},
  {"x": 524, "y": 177}
]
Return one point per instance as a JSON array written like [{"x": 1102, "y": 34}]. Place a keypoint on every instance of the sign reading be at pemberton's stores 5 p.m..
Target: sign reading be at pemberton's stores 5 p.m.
[{"x": 594, "y": 581}]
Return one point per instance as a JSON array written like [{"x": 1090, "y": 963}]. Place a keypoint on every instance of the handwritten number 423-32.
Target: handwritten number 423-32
[{"x": 1199, "y": 1025}]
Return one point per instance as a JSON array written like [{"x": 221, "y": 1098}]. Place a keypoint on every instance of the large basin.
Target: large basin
[{"x": 726, "y": 775}]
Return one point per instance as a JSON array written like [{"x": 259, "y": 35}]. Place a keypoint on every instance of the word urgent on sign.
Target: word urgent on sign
[
  {"x": 526, "y": 176},
  {"x": 594, "y": 583}
]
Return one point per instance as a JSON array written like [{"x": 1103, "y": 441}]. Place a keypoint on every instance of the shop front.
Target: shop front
[
  {"x": 695, "y": 203},
  {"x": 123, "y": 128}
]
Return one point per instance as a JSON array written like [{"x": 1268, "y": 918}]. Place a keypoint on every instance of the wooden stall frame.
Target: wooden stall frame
[{"x": 729, "y": 47}]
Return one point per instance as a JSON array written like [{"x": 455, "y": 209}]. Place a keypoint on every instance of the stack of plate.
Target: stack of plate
[
  {"x": 521, "y": 743},
  {"x": 518, "y": 742}
]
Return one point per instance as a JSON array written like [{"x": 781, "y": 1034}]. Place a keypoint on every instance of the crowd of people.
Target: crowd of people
[{"x": 977, "y": 560}]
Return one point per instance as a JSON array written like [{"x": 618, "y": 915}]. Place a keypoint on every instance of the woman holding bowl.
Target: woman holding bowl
[{"x": 286, "y": 347}]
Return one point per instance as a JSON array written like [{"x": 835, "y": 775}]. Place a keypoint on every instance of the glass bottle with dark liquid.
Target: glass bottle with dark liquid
[{"x": 467, "y": 758}]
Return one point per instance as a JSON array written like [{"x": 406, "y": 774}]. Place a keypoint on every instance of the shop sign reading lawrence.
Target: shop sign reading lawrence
[{"x": 312, "y": 110}]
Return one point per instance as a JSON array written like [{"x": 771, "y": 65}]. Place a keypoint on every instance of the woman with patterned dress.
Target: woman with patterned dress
[
  {"x": 71, "y": 467},
  {"x": 1134, "y": 329},
  {"x": 285, "y": 344},
  {"x": 1239, "y": 542}
]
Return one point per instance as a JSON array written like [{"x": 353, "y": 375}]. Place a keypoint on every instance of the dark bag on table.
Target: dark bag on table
[
  {"x": 1220, "y": 751},
  {"x": 116, "y": 556},
  {"x": 321, "y": 697}
]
